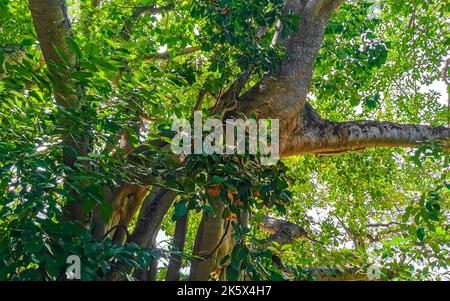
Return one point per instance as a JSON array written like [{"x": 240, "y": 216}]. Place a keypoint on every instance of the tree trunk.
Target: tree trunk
[
  {"x": 207, "y": 242},
  {"x": 173, "y": 270},
  {"x": 153, "y": 211},
  {"x": 53, "y": 28}
]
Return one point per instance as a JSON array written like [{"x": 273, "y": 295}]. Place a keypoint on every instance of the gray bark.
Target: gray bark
[
  {"x": 207, "y": 243},
  {"x": 328, "y": 137},
  {"x": 151, "y": 215},
  {"x": 173, "y": 270},
  {"x": 283, "y": 232}
]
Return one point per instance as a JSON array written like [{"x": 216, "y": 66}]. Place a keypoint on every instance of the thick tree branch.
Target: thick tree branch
[
  {"x": 326, "y": 7},
  {"x": 345, "y": 273},
  {"x": 53, "y": 28},
  {"x": 283, "y": 232},
  {"x": 210, "y": 235},
  {"x": 282, "y": 93},
  {"x": 328, "y": 137},
  {"x": 151, "y": 215}
]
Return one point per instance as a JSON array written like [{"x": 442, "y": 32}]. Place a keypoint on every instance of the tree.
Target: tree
[{"x": 87, "y": 105}]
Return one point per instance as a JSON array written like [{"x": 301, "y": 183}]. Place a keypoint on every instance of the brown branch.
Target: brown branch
[
  {"x": 139, "y": 12},
  {"x": 199, "y": 102},
  {"x": 323, "y": 137},
  {"x": 346, "y": 273},
  {"x": 326, "y": 7},
  {"x": 335, "y": 137},
  {"x": 152, "y": 213},
  {"x": 209, "y": 235}
]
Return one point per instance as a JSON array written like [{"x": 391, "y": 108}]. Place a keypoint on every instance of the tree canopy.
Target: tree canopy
[{"x": 89, "y": 90}]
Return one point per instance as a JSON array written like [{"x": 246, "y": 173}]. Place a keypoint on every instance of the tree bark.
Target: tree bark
[
  {"x": 151, "y": 215},
  {"x": 207, "y": 243},
  {"x": 173, "y": 270},
  {"x": 53, "y": 27},
  {"x": 281, "y": 94},
  {"x": 283, "y": 232},
  {"x": 153, "y": 210},
  {"x": 326, "y": 137},
  {"x": 126, "y": 212}
]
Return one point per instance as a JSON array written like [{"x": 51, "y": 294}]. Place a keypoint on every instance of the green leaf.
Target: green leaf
[
  {"x": 406, "y": 215},
  {"x": 420, "y": 234},
  {"x": 286, "y": 247},
  {"x": 238, "y": 254},
  {"x": 232, "y": 274},
  {"x": 355, "y": 101},
  {"x": 216, "y": 179},
  {"x": 34, "y": 246},
  {"x": 180, "y": 209},
  {"x": 74, "y": 47},
  {"x": 275, "y": 276}
]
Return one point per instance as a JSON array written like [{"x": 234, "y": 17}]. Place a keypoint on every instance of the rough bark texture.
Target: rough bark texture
[
  {"x": 53, "y": 28},
  {"x": 152, "y": 213},
  {"x": 282, "y": 95},
  {"x": 326, "y": 137},
  {"x": 338, "y": 274},
  {"x": 207, "y": 243},
  {"x": 126, "y": 209},
  {"x": 283, "y": 232},
  {"x": 179, "y": 239}
]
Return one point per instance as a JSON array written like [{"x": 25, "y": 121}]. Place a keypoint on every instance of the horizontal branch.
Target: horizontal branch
[
  {"x": 283, "y": 232},
  {"x": 325, "y": 137},
  {"x": 345, "y": 273}
]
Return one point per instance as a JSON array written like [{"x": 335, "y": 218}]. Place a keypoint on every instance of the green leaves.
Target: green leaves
[
  {"x": 420, "y": 234},
  {"x": 372, "y": 102},
  {"x": 367, "y": 69},
  {"x": 232, "y": 274},
  {"x": 217, "y": 179},
  {"x": 180, "y": 209},
  {"x": 73, "y": 46},
  {"x": 239, "y": 253}
]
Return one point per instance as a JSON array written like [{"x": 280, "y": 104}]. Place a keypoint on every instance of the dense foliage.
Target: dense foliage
[{"x": 387, "y": 208}]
